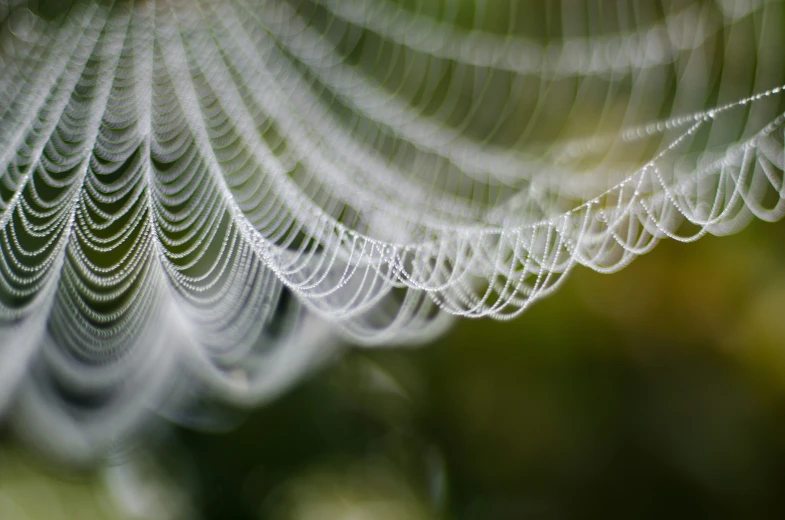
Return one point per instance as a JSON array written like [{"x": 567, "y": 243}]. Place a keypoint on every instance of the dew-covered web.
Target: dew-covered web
[{"x": 194, "y": 194}]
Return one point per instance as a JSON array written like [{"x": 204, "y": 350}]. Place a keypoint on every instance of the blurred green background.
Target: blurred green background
[{"x": 655, "y": 392}]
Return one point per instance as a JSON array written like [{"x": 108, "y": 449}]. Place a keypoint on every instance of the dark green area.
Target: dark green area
[{"x": 652, "y": 393}]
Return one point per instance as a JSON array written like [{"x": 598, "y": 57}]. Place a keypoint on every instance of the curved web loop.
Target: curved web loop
[{"x": 190, "y": 190}]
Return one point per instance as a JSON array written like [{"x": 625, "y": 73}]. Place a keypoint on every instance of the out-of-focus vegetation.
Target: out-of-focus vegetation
[
  {"x": 137, "y": 489},
  {"x": 656, "y": 392}
]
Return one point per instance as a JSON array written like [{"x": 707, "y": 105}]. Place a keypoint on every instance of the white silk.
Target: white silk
[{"x": 191, "y": 191}]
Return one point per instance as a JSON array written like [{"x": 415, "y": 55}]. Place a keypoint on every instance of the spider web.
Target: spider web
[{"x": 193, "y": 194}]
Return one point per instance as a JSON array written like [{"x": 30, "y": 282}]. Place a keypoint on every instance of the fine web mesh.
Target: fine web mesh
[{"x": 200, "y": 190}]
